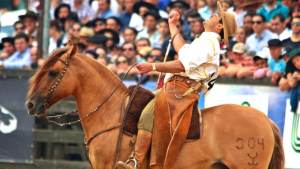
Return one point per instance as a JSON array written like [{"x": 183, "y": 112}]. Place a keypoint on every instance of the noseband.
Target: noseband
[{"x": 87, "y": 141}]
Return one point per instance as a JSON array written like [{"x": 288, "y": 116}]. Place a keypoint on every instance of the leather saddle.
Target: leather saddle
[{"x": 141, "y": 99}]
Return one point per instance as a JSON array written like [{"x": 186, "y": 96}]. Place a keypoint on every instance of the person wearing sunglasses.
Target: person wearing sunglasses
[
  {"x": 259, "y": 39},
  {"x": 197, "y": 62},
  {"x": 294, "y": 41},
  {"x": 129, "y": 51},
  {"x": 19, "y": 27}
]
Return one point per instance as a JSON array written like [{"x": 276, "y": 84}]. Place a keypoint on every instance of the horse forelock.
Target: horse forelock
[{"x": 34, "y": 80}]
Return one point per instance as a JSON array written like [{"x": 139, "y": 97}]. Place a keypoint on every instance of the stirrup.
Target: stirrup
[{"x": 132, "y": 159}]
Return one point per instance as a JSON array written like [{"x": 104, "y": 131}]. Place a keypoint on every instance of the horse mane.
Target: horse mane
[{"x": 34, "y": 80}]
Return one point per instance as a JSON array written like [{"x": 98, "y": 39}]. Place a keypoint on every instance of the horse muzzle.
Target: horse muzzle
[{"x": 35, "y": 106}]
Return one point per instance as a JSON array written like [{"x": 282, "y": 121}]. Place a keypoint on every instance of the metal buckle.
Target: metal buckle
[{"x": 132, "y": 159}]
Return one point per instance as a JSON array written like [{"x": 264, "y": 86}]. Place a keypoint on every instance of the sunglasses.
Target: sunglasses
[
  {"x": 298, "y": 10},
  {"x": 295, "y": 23},
  {"x": 130, "y": 49},
  {"x": 256, "y": 22},
  {"x": 119, "y": 62},
  {"x": 76, "y": 30}
]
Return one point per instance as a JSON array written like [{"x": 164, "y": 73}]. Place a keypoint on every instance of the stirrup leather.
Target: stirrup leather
[{"x": 132, "y": 159}]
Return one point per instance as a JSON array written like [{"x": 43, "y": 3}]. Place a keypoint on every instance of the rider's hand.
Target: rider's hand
[
  {"x": 173, "y": 17},
  {"x": 144, "y": 67}
]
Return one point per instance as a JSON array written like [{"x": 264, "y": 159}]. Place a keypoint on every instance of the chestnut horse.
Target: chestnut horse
[{"x": 235, "y": 137}]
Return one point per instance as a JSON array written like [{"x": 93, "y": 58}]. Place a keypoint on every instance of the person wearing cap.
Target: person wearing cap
[
  {"x": 276, "y": 64},
  {"x": 197, "y": 61},
  {"x": 9, "y": 46},
  {"x": 259, "y": 39},
  {"x": 84, "y": 34},
  {"x": 99, "y": 24},
  {"x": 30, "y": 22},
  {"x": 248, "y": 65},
  {"x": 291, "y": 79},
  {"x": 95, "y": 41},
  {"x": 261, "y": 64},
  {"x": 238, "y": 52},
  {"x": 70, "y": 20},
  {"x": 150, "y": 32}
]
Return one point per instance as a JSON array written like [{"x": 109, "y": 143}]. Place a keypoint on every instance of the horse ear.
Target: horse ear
[
  {"x": 69, "y": 44},
  {"x": 72, "y": 51}
]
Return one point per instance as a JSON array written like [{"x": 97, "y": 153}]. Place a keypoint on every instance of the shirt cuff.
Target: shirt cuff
[{"x": 182, "y": 58}]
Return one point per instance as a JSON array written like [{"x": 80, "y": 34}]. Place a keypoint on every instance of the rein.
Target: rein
[{"x": 87, "y": 141}]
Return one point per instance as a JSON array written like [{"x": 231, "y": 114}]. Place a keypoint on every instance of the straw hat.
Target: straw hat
[
  {"x": 229, "y": 23},
  {"x": 85, "y": 31}
]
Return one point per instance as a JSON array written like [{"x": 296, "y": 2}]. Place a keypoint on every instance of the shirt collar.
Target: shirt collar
[
  {"x": 267, "y": 9},
  {"x": 211, "y": 35},
  {"x": 262, "y": 35}
]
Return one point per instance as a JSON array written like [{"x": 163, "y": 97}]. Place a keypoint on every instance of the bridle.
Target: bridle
[{"x": 87, "y": 141}]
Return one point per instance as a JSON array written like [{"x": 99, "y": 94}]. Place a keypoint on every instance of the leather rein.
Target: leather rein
[{"x": 87, "y": 141}]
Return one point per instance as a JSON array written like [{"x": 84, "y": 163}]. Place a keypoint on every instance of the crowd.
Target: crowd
[{"x": 119, "y": 33}]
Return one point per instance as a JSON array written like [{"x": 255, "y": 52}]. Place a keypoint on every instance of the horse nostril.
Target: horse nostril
[{"x": 29, "y": 105}]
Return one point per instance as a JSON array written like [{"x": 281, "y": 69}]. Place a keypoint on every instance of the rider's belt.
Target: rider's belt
[{"x": 186, "y": 80}]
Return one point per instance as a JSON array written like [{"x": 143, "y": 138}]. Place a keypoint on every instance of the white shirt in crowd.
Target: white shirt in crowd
[
  {"x": 200, "y": 59},
  {"x": 284, "y": 34}
]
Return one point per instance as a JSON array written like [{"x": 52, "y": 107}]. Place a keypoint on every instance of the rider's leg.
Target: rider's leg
[{"x": 144, "y": 137}]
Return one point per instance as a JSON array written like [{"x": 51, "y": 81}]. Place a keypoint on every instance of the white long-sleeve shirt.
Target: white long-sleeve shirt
[{"x": 201, "y": 59}]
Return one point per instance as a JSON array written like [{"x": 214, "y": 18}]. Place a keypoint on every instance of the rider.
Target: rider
[{"x": 198, "y": 63}]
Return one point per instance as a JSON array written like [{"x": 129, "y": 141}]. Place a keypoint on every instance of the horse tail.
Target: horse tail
[{"x": 277, "y": 160}]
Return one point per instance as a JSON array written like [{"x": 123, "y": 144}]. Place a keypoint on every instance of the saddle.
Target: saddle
[{"x": 141, "y": 99}]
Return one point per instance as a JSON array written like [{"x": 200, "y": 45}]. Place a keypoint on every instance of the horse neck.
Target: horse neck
[{"x": 94, "y": 87}]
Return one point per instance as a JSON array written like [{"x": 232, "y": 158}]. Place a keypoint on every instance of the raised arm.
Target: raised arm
[{"x": 178, "y": 41}]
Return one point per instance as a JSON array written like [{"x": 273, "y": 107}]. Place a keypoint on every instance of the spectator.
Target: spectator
[
  {"x": 201, "y": 4},
  {"x": 238, "y": 51},
  {"x": 62, "y": 12},
  {"x": 289, "y": 3},
  {"x": 70, "y": 20},
  {"x": 276, "y": 64},
  {"x": 84, "y": 34},
  {"x": 102, "y": 52},
  {"x": 162, "y": 13},
  {"x": 104, "y": 10},
  {"x": 99, "y": 24},
  {"x": 226, "y": 4},
  {"x": 251, "y": 6},
  {"x": 291, "y": 78},
  {"x": 84, "y": 12},
  {"x": 240, "y": 35},
  {"x": 198, "y": 28},
  {"x": 294, "y": 41},
  {"x": 248, "y": 65},
  {"x": 278, "y": 26},
  {"x": 150, "y": 31},
  {"x": 123, "y": 66},
  {"x": 21, "y": 57},
  {"x": 76, "y": 27},
  {"x": 112, "y": 37},
  {"x": 238, "y": 11},
  {"x": 271, "y": 8},
  {"x": 113, "y": 23},
  {"x": 191, "y": 18},
  {"x": 81, "y": 47},
  {"x": 96, "y": 41},
  {"x": 261, "y": 63},
  {"x": 19, "y": 27},
  {"x": 125, "y": 16},
  {"x": 34, "y": 58},
  {"x": 9, "y": 46},
  {"x": 129, "y": 51},
  {"x": 248, "y": 24},
  {"x": 54, "y": 35},
  {"x": 261, "y": 35},
  {"x": 181, "y": 7},
  {"x": 163, "y": 29},
  {"x": 130, "y": 34},
  {"x": 209, "y": 9},
  {"x": 30, "y": 22},
  {"x": 139, "y": 9},
  {"x": 142, "y": 43},
  {"x": 102, "y": 61},
  {"x": 155, "y": 54}
]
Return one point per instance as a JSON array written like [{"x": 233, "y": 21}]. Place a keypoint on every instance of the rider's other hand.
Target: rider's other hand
[
  {"x": 144, "y": 67},
  {"x": 173, "y": 17}
]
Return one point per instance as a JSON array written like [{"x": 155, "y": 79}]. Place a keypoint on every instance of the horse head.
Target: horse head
[{"x": 52, "y": 82}]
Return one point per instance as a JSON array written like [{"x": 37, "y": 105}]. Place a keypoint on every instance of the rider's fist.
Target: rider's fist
[{"x": 173, "y": 17}]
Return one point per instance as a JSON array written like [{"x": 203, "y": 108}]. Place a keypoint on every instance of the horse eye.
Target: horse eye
[{"x": 53, "y": 73}]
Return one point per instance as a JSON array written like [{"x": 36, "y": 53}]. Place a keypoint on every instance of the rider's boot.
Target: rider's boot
[{"x": 141, "y": 148}]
